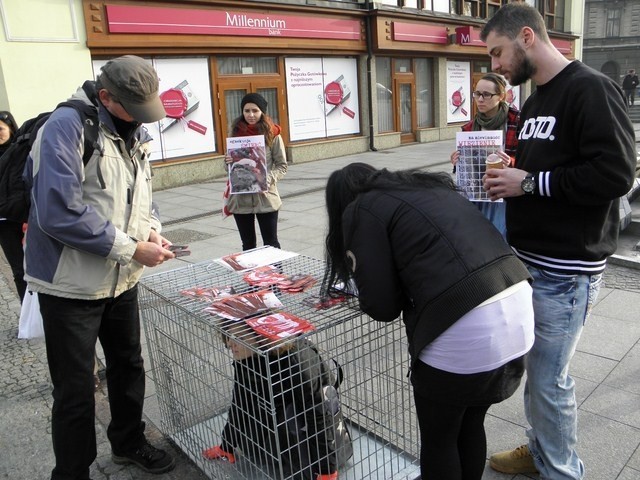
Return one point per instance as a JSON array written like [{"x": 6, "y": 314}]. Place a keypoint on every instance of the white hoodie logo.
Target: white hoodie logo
[{"x": 539, "y": 127}]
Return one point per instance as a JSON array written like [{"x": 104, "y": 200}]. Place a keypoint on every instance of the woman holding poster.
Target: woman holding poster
[
  {"x": 253, "y": 192},
  {"x": 494, "y": 113}
]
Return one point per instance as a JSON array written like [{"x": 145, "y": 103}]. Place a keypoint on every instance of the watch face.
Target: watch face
[{"x": 528, "y": 185}]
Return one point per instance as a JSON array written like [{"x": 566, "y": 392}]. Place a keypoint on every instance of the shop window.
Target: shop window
[
  {"x": 552, "y": 11},
  {"x": 402, "y": 65},
  {"x": 477, "y": 8},
  {"x": 424, "y": 92},
  {"x": 613, "y": 22},
  {"x": 384, "y": 94},
  {"x": 322, "y": 97},
  {"x": 185, "y": 90},
  {"x": 247, "y": 65}
]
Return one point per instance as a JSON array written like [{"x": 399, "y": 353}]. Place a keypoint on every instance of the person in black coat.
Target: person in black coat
[
  {"x": 284, "y": 411},
  {"x": 415, "y": 247},
  {"x": 11, "y": 233},
  {"x": 629, "y": 85}
]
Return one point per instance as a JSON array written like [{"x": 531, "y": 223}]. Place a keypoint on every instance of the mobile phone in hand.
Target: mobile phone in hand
[{"x": 179, "y": 250}]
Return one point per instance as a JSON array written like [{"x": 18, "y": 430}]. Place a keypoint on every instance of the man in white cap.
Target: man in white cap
[{"x": 92, "y": 230}]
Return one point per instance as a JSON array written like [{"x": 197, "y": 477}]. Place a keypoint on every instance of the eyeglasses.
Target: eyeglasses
[{"x": 485, "y": 95}]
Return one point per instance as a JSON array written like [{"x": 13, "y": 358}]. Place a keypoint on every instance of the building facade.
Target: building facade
[
  {"x": 612, "y": 36},
  {"x": 340, "y": 77}
]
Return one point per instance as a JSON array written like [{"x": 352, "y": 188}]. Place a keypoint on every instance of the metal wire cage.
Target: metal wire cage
[{"x": 220, "y": 382}]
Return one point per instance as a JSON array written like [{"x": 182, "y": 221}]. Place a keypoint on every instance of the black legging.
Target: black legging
[
  {"x": 268, "y": 223},
  {"x": 11, "y": 236},
  {"x": 453, "y": 440}
]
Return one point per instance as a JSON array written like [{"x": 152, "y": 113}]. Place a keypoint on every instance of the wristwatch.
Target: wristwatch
[{"x": 528, "y": 185}]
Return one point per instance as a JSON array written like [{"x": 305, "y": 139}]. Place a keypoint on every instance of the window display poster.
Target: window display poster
[
  {"x": 185, "y": 93},
  {"x": 474, "y": 148},
  {"x": 458, "y": 91},
  {"x": 512, "y": 96},
  {"x": 323, "y": 97}
]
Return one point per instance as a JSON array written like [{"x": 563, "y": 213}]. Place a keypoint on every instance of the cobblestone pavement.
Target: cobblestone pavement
[
  {"x": 622, "y": 278},
  {"x": 25, "y": 393},
  {"x": 25, "y": 409}
]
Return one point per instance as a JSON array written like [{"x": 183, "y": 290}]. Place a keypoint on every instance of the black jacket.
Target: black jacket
[
  {"x": 427, "y": 253},
  {"x": 577, "y": 139},
  {"x": 278, "y": 415},
  {"x": 630, "y": 82}
]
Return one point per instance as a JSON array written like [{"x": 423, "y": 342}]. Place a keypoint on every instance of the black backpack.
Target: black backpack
[{"x": 14, "y": 192}]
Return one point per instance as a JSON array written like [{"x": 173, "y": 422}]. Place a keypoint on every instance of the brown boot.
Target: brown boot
[{"x": 518, "y": 460}]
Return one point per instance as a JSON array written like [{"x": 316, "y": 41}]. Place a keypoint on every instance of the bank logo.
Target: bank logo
[{"x": 540, "y": 128}]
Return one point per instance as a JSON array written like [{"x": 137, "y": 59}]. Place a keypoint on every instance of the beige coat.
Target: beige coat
[{"x": 269, "y": 201}]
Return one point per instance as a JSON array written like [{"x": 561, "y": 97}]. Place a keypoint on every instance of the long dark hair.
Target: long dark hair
[
  {"x": 265, "y": 126},
  {"x": 343, "y": 187}
]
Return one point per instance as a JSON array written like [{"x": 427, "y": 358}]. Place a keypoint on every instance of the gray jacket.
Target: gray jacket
[{"x": 84, "y": 219}]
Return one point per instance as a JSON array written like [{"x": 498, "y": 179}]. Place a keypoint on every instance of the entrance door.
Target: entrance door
[
  {"x": 230, "y": 95},
  {"x": 405, "y": 111}
]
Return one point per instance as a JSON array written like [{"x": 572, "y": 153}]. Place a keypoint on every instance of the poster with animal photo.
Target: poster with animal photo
[
  {"x": 248, "y": 170},
  {"x": 474, "y": 148}
]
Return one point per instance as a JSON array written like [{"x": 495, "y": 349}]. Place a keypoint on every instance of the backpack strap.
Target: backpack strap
[{"x": 90, "y": 123}]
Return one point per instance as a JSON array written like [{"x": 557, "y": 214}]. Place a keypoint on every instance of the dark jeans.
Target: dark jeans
[
  {"x": 71, "y": 328},
  {"x": 630, "y": 95},
  {"x": 11, "y": 236},
  {"x": 268, "y": 223}
]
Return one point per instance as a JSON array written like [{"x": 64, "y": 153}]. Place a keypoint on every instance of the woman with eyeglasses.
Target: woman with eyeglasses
[
  {"x": 11, "y": 233},
  {"x": 494, "y": 113}
]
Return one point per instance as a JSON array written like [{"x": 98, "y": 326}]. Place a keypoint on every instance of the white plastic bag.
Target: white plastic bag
[{"x": 30, "y": 318}]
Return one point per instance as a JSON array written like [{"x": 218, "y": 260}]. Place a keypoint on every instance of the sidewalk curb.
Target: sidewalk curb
[{"x": 625, "y": 261}]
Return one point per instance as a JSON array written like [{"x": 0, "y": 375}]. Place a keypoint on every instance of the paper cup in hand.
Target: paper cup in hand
[{"x": 494, "y": 161}]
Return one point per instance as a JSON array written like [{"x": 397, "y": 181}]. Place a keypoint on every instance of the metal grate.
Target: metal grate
[
  {"x": 194, "y": 376},
  {"x": 185, "y": 235}
]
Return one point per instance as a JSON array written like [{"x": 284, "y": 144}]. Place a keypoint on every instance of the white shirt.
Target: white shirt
[{"x": 492, "y": 334}]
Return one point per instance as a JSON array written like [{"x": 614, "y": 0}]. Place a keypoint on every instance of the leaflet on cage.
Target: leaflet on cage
[
  {"x": 257, "y": 257},
  {"x": 237, "y": 307},
  {"x": 280, "y": 325},
  {"x": 474, "y": 148}
]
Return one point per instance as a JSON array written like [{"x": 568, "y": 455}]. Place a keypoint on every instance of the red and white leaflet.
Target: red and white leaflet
[
  {"x": 237, "y": 307},
  {"x": 268, "y": 276},
  {"x": 264, "y": 276},
  {"x": 208, "y": 293},
  {"x": 257, "y": 257},
  {"x": 298, "y": 282},
  {"x": 278, "y": 326}
]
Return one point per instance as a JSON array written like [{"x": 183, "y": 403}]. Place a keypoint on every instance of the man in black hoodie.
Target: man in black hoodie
[{"x": 575, "y": 158}]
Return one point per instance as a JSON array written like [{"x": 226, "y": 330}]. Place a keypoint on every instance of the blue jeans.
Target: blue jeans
[
  {"x": 561, "y": 305},
  {"x": 495, "y": 213}
]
